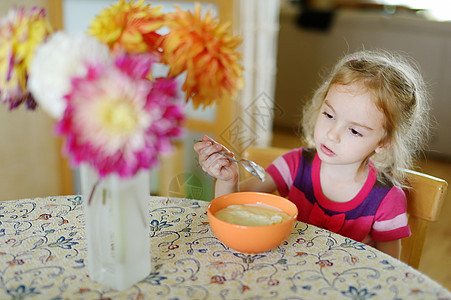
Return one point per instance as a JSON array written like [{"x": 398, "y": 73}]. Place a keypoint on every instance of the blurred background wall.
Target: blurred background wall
[
  {"x": 311, "y": 42},
  {"x": 29, "y": 152}
]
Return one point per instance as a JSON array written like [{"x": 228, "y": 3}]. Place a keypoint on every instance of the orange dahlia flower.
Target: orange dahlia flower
[
  {"x": 204, "y": 49},
  {"x": 129, "y": 25}
]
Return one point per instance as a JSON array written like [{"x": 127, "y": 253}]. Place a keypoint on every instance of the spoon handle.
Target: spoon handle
[{"x": 249, "y": 165}]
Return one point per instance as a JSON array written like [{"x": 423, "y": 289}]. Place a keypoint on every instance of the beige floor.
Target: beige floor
[{"x": 436, "y": 259}]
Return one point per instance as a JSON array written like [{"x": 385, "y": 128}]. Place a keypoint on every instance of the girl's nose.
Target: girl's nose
[{"x": 334, "y": 134}]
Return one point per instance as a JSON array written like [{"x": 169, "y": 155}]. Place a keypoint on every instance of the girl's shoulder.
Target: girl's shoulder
[
  {"x": 292, "y": 158},
  {"x": 308, "y": 153},
  {"x": 304, "y": 153},
  {"x": 383, "y": 179}
]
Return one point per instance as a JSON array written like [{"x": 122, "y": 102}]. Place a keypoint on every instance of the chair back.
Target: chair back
[{"x": 425, "y": 199}]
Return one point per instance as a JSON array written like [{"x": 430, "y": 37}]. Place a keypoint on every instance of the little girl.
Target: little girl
[{"x": 364, "y": 124}]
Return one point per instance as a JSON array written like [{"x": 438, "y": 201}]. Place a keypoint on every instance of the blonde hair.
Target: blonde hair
[{"x": 398, "y": 91}]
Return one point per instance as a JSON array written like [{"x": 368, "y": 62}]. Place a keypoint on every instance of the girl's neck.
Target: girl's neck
[
  {"x": 349, "y": 173},
  {"x": 341, "y": 183}
]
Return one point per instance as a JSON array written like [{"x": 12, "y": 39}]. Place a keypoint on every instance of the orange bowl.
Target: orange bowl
[{"x": 251, "y": 239}]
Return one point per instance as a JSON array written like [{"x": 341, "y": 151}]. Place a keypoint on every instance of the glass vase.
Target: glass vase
[{"x": 117, "y": 228}]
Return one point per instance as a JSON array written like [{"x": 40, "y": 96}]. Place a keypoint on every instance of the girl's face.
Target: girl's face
[{"x": 349, "y": 127}]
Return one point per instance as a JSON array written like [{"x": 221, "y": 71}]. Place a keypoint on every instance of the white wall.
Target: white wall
[{"x": 304, "y": 54}]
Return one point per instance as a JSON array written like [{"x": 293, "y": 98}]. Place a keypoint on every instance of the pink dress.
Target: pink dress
[{"x": 376, "y": 213}]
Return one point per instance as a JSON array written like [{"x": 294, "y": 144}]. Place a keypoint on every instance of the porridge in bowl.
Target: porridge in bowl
[{"x": 252, "y": 215}]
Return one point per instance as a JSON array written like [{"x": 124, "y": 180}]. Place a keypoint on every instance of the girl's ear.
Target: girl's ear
[{"x": 384, "y": 145}]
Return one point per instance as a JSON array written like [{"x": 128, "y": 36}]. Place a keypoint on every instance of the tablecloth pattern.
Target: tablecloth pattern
[{"x": 43, "y": 256}]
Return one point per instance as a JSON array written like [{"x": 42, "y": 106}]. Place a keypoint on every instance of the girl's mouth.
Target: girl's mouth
[{"x": 327, "y": 151}]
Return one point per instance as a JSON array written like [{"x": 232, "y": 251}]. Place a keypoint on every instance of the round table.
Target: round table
[{"x": 43, "y": 256}]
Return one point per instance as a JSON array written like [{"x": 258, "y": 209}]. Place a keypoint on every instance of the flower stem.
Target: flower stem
[{"x": 93, "y": 191}]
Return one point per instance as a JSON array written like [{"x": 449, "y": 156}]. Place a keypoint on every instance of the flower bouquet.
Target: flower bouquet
[{"x": 113, "y": 115}]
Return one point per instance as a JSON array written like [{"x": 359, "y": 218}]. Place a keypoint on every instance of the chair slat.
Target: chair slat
[{"x": 412, "y": 247}]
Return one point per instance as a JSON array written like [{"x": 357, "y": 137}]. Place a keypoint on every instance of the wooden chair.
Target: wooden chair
[{"x": 425, "y": 198}]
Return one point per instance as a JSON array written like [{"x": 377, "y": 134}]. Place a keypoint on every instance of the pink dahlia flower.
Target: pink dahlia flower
[{"x": 117, "y": 120}]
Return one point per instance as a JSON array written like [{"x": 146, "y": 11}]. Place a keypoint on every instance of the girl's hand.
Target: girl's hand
[{"x": 214, "y": 163}]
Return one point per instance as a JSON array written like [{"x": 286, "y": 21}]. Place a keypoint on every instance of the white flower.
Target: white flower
[{"x": 62, "y": 57}]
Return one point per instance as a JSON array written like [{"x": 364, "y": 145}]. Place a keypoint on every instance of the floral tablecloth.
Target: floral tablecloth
[{"x": 43, "y": 256}]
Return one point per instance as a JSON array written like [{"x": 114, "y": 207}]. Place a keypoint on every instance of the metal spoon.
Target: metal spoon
[{"x": 249, "y": 165}]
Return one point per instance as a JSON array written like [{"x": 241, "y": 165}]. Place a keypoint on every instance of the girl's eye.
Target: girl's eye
[
  {"x": 329, "y": 116},
  {"x": 355, "y": 132}
]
